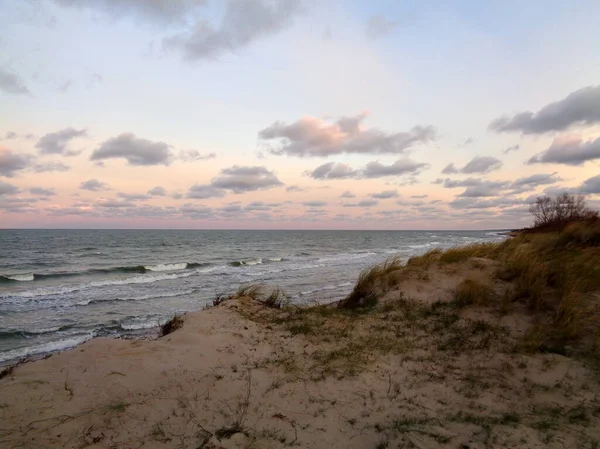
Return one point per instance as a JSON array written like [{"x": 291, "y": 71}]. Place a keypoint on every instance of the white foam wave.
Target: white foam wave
[
  {"x": 52, "y": 346},
  {"x": 139, "y": 326},
  {"x": 325, "y": 288},
  {"x": 344, "y": 256},
  {"x": 166, "y": 267},
  {"x": 60, "y": 290},
  {"x": 20, "y": 277},
  {"x": 275, "y": 259},
  {"x": 85, "y": 302},
  {"x": 46, "y": 330},
  {"x": 251, "y": 262}
]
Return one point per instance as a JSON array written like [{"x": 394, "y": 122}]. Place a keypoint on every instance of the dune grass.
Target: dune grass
[
  {"x": 472, "y": 292},
  {"x": 370, "y": 281},
  {"x": 556, "y": 275},
  {"x": 274, "y": 298}
]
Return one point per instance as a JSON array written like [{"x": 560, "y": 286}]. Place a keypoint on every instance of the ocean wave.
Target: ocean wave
[
  {"x": 141, "y": 269},
  {"x": 140, "y": 326},
  {"x": 53, "y": 346},
  {"x": 10, "y": 333},
  {"x": 63, "y": 289},
  {"x": 167, "y": 267},
  {"x": 326, "y": 288},
  {"x": 346, "y": 256},
  {"x": 86, "y": 302},
  {"x": 17, "y": 277}
]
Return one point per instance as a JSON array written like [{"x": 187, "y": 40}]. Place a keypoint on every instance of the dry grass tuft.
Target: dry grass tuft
[
  {"x": 254, "y": 291},
  {"x": 472, "y": 292},
  {"x": 426, "y": 259},
  {"x": 172, "y": 325},
  {"x": 259, "y": 292},
  {"x": 370, "y": 282},
  {"x": 462, "y": 253}
]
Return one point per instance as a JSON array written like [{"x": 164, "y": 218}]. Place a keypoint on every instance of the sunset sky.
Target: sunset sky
[{"x": 289, "y": 114}]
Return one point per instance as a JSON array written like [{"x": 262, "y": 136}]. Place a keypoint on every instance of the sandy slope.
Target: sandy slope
[{"x": 241, "y": 375}]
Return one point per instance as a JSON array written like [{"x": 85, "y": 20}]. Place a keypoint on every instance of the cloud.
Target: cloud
[
  {"x": 64, "y": 87},
  {"x": 245, "y": 179},
  {"x": 133, "y": 196},
  {"x": 533, "y": 181},
  {"x": 94, "y": 185},
  {"x": 163, "y": 10},
  {"x": 591, "y": 185},
  {"x": 311, "y": 136},
  {"x": 196, "y": 211},
  {"x": 385, "y": 194},
  {"x": 449, "y": 169},
  {"x": 419, "y": 196},
  {"x": 315, "y": 203},
  {"x": 51, "y": 166},
  {"x": 363, "y": 203},
  {"x": 479, "y": 164},
  {"x": 205, "y": 191},
  {"x": 135, "y": 150},
  {"x": 114, "y": 203},
  {"x": 157, "y": 191},
  {"x": 475, "y": 187},
  {"x": 56, "y": 143},
  {"x": 243, "y": 22},
  {"x": 332, "y": 170},
  {"x": 374, "y": 169},
  {"x": 483, "y": 189},
  {"x": 10, "y": 163},
  {"x": 482, "y": 164},
  {"x": 474, "y": 203},
  {"x": 294, "y": 189},
  {"x": 194, "y": 155},
  {"x": 11, "y": 135},
  {"x": 347, "y": 194},
  {"x": 379, "y": 25},
  {"x": 11, "y": 83},
  {"x": 581, "y": 107},
  {"x": 42, "y": 191},
  {"x": 468, "y": 141},
  {"x": 7, "y": 189},
  {"x": 401, "y": 167},
  {"x": 568, "y": 150},
  {"x": 260, "y": 206},
  {"x": 513, "y": 148}
]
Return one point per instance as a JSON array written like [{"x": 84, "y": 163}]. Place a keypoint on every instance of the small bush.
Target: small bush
[
  {"x": 472, "y": 292},
  {"x": 172, "y": 325}
]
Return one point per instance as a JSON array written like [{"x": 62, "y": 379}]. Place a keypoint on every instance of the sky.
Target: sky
[{"x": 295, "y": 114}]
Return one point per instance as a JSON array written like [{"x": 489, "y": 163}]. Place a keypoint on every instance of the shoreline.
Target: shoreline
[{"x": 426, "y": 354}]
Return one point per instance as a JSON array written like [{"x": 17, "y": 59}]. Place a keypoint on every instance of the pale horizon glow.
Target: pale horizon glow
[{"x": 289, "y": 114}]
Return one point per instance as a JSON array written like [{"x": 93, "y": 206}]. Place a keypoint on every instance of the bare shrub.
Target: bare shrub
[
  {"x": 563, "y": 209},
  {"x": 172, "y": 325}
]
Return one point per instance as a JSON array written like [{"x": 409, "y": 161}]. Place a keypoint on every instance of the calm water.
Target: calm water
[{"x": 59, "y": 288}]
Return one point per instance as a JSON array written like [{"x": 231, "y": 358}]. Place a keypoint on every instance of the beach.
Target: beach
[{"x": 415, "y": 370}]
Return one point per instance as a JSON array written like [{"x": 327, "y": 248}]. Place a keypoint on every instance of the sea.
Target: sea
[{"x": 60, "y": 288}]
